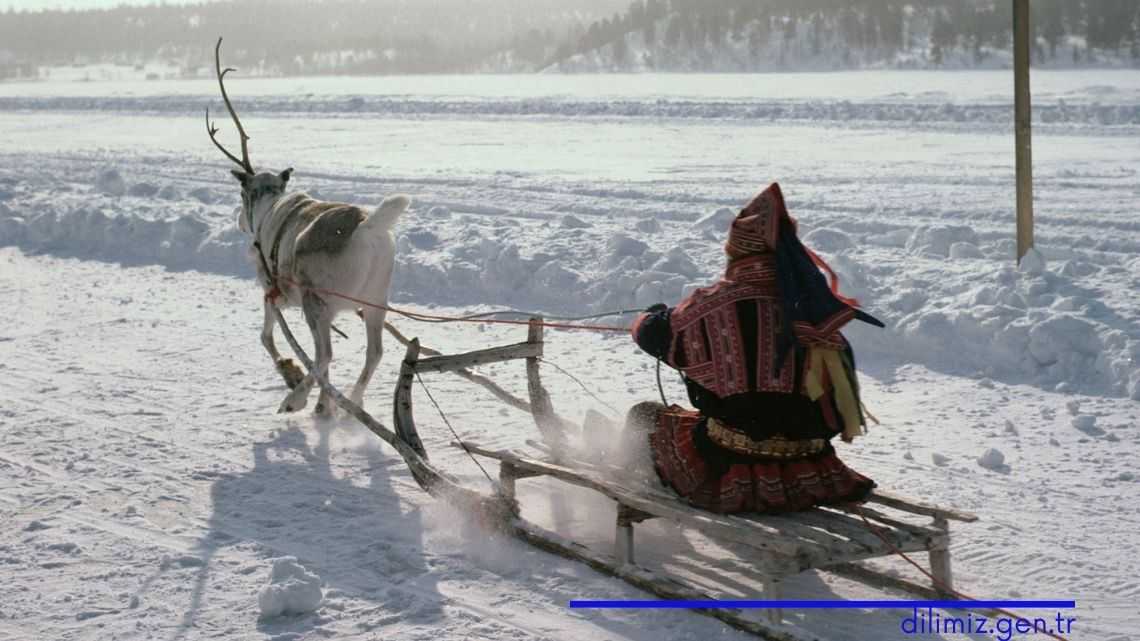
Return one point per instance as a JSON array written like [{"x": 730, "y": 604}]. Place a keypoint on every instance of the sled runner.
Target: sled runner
[{"x": 832, "y": 538}]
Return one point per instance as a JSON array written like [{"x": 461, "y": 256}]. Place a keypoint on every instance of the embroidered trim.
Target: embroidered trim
[{"x": 776, "y": 447}]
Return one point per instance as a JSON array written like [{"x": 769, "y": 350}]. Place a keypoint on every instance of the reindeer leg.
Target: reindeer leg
[
  {"x": 321, "y": 327},
  {"x": 374, "y": 322},
  {"x": 319, "y": 317},
  {"x": 286, "y": 367}
]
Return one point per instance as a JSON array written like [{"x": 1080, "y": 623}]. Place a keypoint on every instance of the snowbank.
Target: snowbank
[
  {"x": 1039, "y": 322},
  {"x": 939, "y": 274},
  {"x": 1031, "y": 323}
]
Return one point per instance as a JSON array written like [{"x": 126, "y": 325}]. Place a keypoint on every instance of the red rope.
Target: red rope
[
  {"x": 879, "y": 532},
  {"x": 834, "y": 285},
  {"x": 453, "y": 319}
]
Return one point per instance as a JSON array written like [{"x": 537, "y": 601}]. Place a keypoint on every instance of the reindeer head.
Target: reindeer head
[
  {"x": 255, "y": 187},
  {"x": 258, "y": 187}
]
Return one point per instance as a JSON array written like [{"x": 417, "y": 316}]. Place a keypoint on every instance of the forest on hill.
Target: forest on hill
[
  {"x": 294, "y": 37},
  {"x": 749, "y": 35}
]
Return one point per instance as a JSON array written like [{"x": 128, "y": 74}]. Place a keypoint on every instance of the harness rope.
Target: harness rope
[
  {"x": 453, "y": 433},
  {"x": 580, "y": 384},
  {"x": 436, "y": 318}
]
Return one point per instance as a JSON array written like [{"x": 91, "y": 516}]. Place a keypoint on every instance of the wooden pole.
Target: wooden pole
[
  {"x": 1021, "y": 126},
  {"x": 540, "y": 405}
]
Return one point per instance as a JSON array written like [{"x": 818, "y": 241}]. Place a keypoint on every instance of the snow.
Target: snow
[
  {"x": 992, "y": 459},
  {"x": 148, "y": 490},
  {"x": 292, "y": 590}
]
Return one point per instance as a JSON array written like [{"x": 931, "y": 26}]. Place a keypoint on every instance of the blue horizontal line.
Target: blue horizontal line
[{"x": 821, "y": 605}]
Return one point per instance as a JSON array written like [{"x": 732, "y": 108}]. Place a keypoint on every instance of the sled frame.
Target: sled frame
[{"x": 830, "y": 538}]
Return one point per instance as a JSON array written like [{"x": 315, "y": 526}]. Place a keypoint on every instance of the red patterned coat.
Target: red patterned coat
[{"x": 769, "y": 372}]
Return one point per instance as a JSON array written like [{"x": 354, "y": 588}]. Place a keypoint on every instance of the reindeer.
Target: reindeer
[{"x": 306, "y": 249}]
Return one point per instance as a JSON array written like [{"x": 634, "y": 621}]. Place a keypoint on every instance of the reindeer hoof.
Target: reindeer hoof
[
  {"x": 325, "y": 410},
  {"x": 290, "y": 372},
  {"x": 289, "y": 406}
]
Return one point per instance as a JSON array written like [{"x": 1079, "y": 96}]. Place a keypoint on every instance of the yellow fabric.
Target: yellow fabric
[{"x": 831, "y": 361}]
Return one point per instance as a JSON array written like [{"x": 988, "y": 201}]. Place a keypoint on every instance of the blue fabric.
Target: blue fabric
[{"x": 804, "y": 292}]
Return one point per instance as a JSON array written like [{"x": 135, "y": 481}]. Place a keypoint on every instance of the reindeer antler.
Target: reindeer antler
[{"x": 212, "y": 130}]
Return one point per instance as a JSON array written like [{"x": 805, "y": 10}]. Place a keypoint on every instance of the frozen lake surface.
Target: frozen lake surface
[{"x": 148, "y": 489}]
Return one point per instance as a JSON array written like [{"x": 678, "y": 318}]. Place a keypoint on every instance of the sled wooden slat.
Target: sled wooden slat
[
  {"x": 480, "y": 357},
  {"x": 757, "y": 535},
  {"x": 907, "y": 504},
  {"x": 835, "y": 523},
  {"x": 802, "y": 541},
  {"x": 486, "y": 383},
  {"x": 903, "y": 536},
  {"x": 915, "y": 529}
]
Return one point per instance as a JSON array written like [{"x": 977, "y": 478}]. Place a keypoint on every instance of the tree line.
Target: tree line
[
  {"x": 689, "y": 34},
  {"x": 286, "y": 37},
  {"x": 293, "y": 36}
]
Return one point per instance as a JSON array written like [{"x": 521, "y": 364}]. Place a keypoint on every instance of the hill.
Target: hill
[
  {"x": 307, "y": 37},
  {"x": 798, "y": 35}
]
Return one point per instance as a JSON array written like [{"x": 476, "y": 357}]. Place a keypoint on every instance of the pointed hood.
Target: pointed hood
[
  {"x": 812, "y": 307},
  {"x": 756, "y": 229}
]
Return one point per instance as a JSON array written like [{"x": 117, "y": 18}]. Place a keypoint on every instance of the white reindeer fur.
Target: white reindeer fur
[{"x": 358, "y": 264}]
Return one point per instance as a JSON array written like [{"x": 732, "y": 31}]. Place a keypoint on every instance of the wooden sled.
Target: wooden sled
[{"x": 833, "y": 539}]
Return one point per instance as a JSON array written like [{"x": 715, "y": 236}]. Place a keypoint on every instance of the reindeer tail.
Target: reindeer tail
[{"x": 386, "y": 215}]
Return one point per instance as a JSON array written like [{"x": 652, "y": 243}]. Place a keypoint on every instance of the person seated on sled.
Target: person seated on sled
[{"x": 771, "y": 377}]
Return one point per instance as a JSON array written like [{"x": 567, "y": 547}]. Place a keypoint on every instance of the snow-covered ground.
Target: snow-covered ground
[{"x": 149, "y": 491}]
